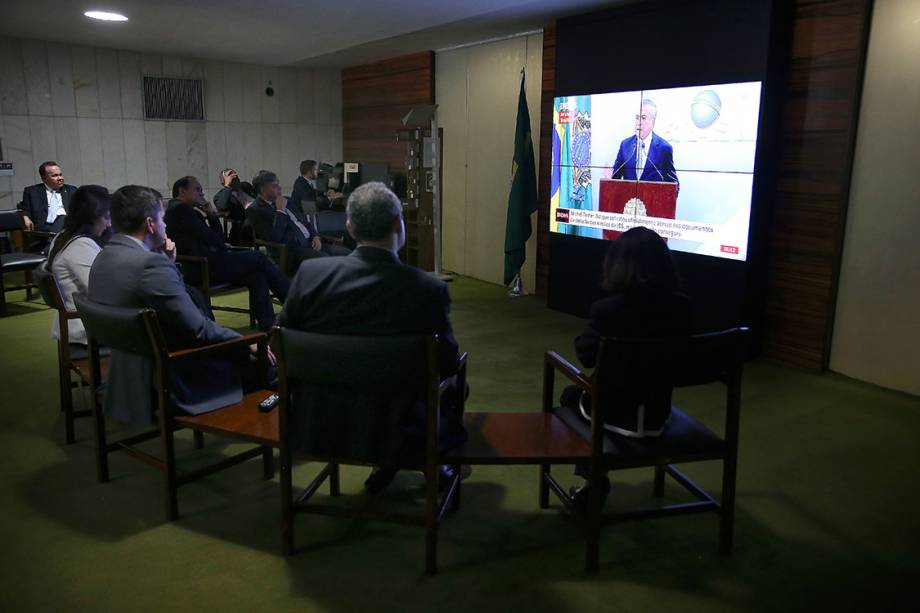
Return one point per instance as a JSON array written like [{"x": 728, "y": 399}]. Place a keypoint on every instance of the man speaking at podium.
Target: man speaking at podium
[{"x": 645, "y": 155}]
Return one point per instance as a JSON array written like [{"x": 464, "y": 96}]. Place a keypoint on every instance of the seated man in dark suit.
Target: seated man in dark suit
[
  {"x": 137, "y": 269},
  {"x": 274, "y": 221},
  {"x": 44, "y": 206},
  {"x": 192, "y": 224},
  {"x": 232, "y": 200},
  {"x": 371, "y": 292}
]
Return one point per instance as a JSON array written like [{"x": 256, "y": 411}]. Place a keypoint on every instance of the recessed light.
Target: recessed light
[{"x": 105, "y": 16}]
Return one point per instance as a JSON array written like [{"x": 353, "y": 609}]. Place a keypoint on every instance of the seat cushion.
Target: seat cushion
[
  {"x": 685, "y": 439},
  {"x": 20, "y": 261}
]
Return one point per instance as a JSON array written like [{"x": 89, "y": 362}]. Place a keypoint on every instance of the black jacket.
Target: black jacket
[{"x": 35, "y": 202}]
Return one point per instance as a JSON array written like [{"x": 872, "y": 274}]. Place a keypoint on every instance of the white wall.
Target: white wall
[
  {"x": 477, "y": 95},
  {"x": 877, "y": 329},
  {"x": 82, "y": 107}
]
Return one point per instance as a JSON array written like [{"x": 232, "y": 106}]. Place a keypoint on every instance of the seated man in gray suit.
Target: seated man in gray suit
[
  {"x": 137, "y": 269},
  {"x": 372, "y": 293}
]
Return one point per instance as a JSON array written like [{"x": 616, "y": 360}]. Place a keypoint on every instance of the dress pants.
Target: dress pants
[{"x": 257, "y": 272}]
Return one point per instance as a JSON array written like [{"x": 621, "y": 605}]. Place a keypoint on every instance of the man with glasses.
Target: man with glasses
[{"x": 272, "y": 220}]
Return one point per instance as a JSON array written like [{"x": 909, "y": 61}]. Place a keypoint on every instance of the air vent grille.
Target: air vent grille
[{"x": 173, "y": 98}]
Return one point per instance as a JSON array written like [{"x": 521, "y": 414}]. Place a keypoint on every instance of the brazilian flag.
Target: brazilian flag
[{"x": 522, "y": 201}]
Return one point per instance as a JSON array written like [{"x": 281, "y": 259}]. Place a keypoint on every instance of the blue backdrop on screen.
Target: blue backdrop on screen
[{"x": 660, "y": 45}]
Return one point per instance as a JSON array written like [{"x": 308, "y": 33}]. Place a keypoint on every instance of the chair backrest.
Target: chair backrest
[
  {"x": 646, "y": 369},
  {"x": 354, "y": 394},
  {"x": 10, "y": 219},
  {"x": 354, "y": 361},
  {"x": 48, "y": 287},
  {"x": 120, "y": 328}
]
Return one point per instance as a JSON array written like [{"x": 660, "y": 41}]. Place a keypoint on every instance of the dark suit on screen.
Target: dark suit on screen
[
  {"x": 658, "y": 167},
  {"x": 371, "y": 293},
  {"x": 126, "y": 274}
]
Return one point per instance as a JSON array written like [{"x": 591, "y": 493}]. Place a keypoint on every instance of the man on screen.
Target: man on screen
[{"x": 645, "y": 155}]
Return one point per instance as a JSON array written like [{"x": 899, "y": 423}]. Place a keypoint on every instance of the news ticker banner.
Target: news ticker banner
[{"x": 716, "y": 240}]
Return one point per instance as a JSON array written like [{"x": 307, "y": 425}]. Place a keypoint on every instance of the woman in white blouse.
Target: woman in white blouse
[{"x": 75, "y": 248}]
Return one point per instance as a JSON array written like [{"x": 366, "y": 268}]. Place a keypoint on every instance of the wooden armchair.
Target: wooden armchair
[
  {"x": 137, "y": 332},
  {"x": 202, "y": 272},
  {"x": 392, "y": 367},
  {"x": 17, "y": 261},
  {"x": 643, "y": 368},
  {"x": 73, "y": 359}
]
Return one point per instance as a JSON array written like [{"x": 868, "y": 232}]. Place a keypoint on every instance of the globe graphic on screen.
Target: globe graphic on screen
[{"x": 705, "y": 108}]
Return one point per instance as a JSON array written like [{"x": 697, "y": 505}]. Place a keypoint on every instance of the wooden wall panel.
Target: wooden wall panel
[
  {"x": 375, "y": 98},
  {"x": 547, "y": 92},
  {"x": 823, "y": 85}
]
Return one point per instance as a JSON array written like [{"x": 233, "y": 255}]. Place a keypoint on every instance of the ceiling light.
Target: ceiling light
[{"x": 105, "y": 16}]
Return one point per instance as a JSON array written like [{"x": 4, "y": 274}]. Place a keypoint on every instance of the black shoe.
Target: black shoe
[
  {"x": 580, "y": 495},
  {"x": 379, "y": 479}
]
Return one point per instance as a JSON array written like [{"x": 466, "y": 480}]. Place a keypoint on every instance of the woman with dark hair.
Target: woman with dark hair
[
  {"x": 645, "y": 301},
  {"x": 75, "y": 247}
]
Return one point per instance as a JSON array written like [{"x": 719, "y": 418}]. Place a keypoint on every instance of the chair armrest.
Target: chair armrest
[
  {"x": 204, "y": 273},
  {"x": 249, "y": 339},
  {"x": 39, "y": 233},
  {"x": 331, "y": 240},
  {"x": 282, "y": 252},
  {"x": 238, "y": 248},
  {"x": 569, "y": 370},
  {"x": 461, "y": 377}
]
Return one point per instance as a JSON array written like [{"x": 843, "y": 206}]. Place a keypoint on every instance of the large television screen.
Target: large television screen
[{"x": 679, "y": 161}]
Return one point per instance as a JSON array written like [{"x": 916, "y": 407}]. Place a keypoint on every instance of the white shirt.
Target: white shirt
[
  {"x": 55, "y": 204},
  {"x": 71, "y": 269}
]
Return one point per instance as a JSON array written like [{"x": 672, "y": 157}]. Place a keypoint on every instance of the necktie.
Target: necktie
[{"x": 640, "y": 162}]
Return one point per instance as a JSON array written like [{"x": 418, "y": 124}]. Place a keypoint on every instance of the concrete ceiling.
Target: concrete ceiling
[{"x": 332, "y": 33}]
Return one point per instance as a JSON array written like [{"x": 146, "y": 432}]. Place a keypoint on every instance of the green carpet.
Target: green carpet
[{"x": 826, "y": 487}]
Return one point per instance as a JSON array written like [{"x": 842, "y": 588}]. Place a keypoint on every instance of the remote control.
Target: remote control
[{"x": 268, "y": 404}]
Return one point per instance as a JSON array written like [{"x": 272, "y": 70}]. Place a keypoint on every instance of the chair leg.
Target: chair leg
[
  {"x": 593, "y": 521},
  {"x": 455, "y": 501},
  {"x": 102, "y": 454},
  {"x": 287, "y": 511},
  {"x": 727, "y": 512},
  {"x": 544, "y": 486},
  {"x": 66, "y": 392},
  {"x": 334, "y": 483},
  {"x": 658, "y": 487},
  {"x": 431, "y": 523},
  {"x": 172, "y": 489},
  {"x": 29, "y": 285},
  {"x": 268, "y": 463},
  {"x": 199, "y": 439}
]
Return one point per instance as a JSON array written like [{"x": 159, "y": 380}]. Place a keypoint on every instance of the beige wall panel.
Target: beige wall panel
[
  {"x": 157, "y": 170},
  {"x": 17, "y": 145},
  {"x": 450, "y": 93},
  {"x": 60, "y": 75},
  {"x": 252, "y": 86},
  {"x": 67, "y": 141},
  {"x": 269, "y": 103},
  {"x": 135, "y": 152},
  {"x": 108, "y": 83},
  {"x": 233, "y": 92},
  {"x": 113, "y": 152},
  {"x": 129, "y": 72},
  {"x": 91, "y": 150},
  {"x": 35, "y": 69},
  {"x": 85, "y": 84},
  {"x": 214, "y": 91},
  {"x": 271, "y": 152},
  {"x": 41, "y": 132},
  {"x": 217, "y": 156},
  {"x": 877, "y": 330},
  {"x": 12, "y": 81}
]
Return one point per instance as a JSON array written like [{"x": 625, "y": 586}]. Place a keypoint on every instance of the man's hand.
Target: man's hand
[
  {"x": 280, "y": 203},
  {"x": 27, "y": 223},
  {"x": 169, "y": 248},
  {"x": 227, "y": 177},
  {"x": 317, "y": 243},
  {"x": 254, "y": 350}
]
